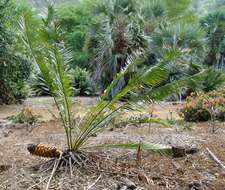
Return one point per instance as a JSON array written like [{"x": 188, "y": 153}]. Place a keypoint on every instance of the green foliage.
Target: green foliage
[
  {"x": 39, "y": 86},
  {"x": 204, "y": 106},
  {"x": 213, "y": 80},
  {"x": 137, "y": 120},
  {"x": 179, "y": 10},
  {"x": 183, "y": 36},
  {"x": 75, "y": 20},
  {"x": 214, "y": 24},
  {"x": 153, "y": 9},
  {"x": 179, "y": 35},
  {"x": 81, "y": 82},
  {"x": 172, "y": 10},
  {"x": 80, "y": 79},
  {"x": 14, "y": 68},
  {"x": 105, "y": 35},
  {"x": 115, "y": 38},
  {"x": 153, "y": 148}
]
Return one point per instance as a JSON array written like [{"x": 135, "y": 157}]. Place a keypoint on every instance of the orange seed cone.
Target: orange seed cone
[{"x": 43, "y": 150}]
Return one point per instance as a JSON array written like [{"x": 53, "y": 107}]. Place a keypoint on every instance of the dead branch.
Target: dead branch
[
  {"x": 213, "y": 156},
  {"x": 93, "y": 184},
  {"x": 53, "y": 171}
]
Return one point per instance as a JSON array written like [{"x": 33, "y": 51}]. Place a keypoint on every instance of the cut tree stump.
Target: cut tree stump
[
  {"x": 192, "y": 150},
  {"x": 181, "y": 151},
  {"x": 178, "y": 151}
]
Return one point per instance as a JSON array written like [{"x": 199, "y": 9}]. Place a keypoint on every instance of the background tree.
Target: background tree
[
  {"x": 14, "y": 68},
  {"x": 115, "y": 39},
  {"x": 214, "y": 24},
  {"x": 75, "y": 20}
]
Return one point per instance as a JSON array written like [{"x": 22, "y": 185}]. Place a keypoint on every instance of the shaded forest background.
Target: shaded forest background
[{"x": 103, "y": 36}]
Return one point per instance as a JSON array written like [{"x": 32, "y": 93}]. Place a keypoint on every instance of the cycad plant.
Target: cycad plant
[{"x": 47, "y": 51}]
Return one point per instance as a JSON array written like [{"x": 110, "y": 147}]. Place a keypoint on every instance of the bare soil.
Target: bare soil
[{"x": 112, "y": 167}]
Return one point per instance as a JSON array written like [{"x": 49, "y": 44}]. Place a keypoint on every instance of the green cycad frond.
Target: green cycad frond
[
  {"x": 52, "y": 58},
  {"x": 105, "y": 109},
  {"x": 153, "y": 148},
  {"x": 151, "y": 77},
  {"x": 143, "y": 120},
  {"x": 162, "y": 92},
  {"x": 94, "y": 121}
]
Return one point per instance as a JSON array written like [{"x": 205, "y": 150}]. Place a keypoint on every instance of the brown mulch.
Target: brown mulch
[{"x": 109, "y": 168}]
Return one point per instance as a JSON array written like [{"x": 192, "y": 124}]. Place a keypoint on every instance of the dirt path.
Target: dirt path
[{"x": 44, "y": 106}]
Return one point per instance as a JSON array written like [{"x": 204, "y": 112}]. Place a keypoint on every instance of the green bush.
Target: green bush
[
  {"x": 13, "y": 76},
  {"x": 75, "y": 20},
  {"x": 14, "y": 68},
  {"x": 204, "y": 106},
  {"x": 81, "y": 82},
  {"x": 25, "y": 116},
  {"x": 80, "y": 78},
  {"x": 39, "y": 86}
]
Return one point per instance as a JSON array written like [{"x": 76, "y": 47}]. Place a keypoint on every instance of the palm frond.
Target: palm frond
[
  {"x": 52, "y": 58},
  {"x": 144, "y": 120},
  {"x": 174, "y": 87},
  {"x": 153, "y": 148},
  {"x": 151, "y": 77}
]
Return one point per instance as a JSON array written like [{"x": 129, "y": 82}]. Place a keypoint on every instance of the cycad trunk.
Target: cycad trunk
[{"x": 221, "y": 64}]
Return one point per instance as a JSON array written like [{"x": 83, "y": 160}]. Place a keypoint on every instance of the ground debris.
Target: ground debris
[
  {"x": 156, "y": 172},
  {"x": 4, "y": 168},
  {"x": 127, "y": 184}
]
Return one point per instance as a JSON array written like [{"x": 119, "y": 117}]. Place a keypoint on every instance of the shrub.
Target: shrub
[
  {"x": 81, "y": 82},
  {"x": 26, "y": 116},
  {"x": 39, "y": 86},
  {"x": 13, "y": 77},
  {"x": 204, "y": 106},
  {"x": 14, "y": 68},
  {"x": 213, "y": 80}
]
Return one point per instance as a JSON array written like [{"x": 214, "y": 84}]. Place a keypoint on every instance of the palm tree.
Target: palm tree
[
  {"x": 214, "y": 24},
  {"x": 119, "y": 37}
]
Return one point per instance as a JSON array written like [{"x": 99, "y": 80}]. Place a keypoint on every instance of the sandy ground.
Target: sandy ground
[{"x": 156, "y": 171}]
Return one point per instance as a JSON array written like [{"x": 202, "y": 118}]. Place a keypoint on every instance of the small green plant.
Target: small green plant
[
  {"x": 213, "y": 80},
  {"x": 204, "y": 107},
  {"x": 81, "y": 82},
  {"x": 25, "y": 116},
  {"x": 142, "y": 119},
  {"x": 39, "y": 86}
]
